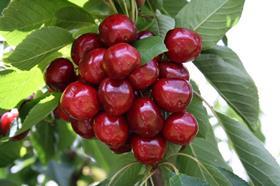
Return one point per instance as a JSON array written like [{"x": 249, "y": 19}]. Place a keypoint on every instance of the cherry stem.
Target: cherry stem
[
  {"x": 172, "y": 166},
  {"x": 125, "y": 7},
  {"x": 121, "y": 170},
  {"x": 145, "y": 180},
  {"x": 112, "y": 4}
]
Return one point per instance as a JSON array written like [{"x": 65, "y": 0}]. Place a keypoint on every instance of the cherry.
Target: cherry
[
  {"x": 83, "y": 128},
  {"x": 116, "y": 96},
  {"x": 83, "y": 44},
  {"x": 148, "y": 150},
  {"x": 124, "y": 148},
  {"x": 60, "y": 114},
  {"x": 120, "y": 60},
  {"x": 80, "y": 101},
  {"x": 59, "y": 74},
  {"x": 6, "y": 120},
  {"x": 117, "y": 28},
  {"x": 180, "y": 128},
  {"x": 90, "y": 66},
  {"x": 172, "y": 94},
  {"x": 183, "y": 45},
  {"x": 173, "y": 70},
  {"x": 144, "y": 76},
  {"x": 112, "y": 130},
  {"x": 144, "y": 34},
  {"x": 145, "y": 118},
  {"x": 20, "y": 136},
  {"x": 140, "y": 2}
]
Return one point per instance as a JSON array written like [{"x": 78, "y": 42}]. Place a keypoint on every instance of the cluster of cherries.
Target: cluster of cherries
[{"x": 121, "y": 102}]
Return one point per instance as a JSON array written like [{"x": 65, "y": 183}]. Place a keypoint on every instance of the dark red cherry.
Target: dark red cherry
[
  {"x": 117, "y": 28},
  {"x": 59, "y": 74},
  {"x": 173, "y": 95},
  {"x": 145, "y": 118},
  {"x": 6, "y": 120},
  {"x": 116, "y": 96},
  {"x": 148, "y": 150},
  {"x": 144, "y": 34},
  {"x": 120, "y": 60},
  {"x": 90, "y": 66},
  {"x": 83, "y": 44},
  {"x": 180, "y": 128},
  {"x": 20, "y": 136},
  {"x": 183, "y": 45},
  {"x": 124, "y": 148},
  {"x": 144, "y": 76},
  {"x": 80, "y": 101},
  {"x": 173, "y": 70},
  {"x": 60, "y": 114},
  {"x": 83, "y": 128},
  {"x": 111, "y": 130}
]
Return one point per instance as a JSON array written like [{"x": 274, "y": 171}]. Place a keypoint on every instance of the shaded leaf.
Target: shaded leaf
[
  {"x": 9, "y": 151},
  {"x": 150, "y": 47},
  {"x": 234, "y": 179},
  {"x": 182, "y": 180},
  {"x": 162, "y": 24},
  {"x": 224, "y": 70},
  {"x": 212, "y": 19},
  {"x": 173, "y": 8}
]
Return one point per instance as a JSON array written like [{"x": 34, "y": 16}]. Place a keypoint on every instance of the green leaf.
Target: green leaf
[
  {"x": 173, "y": 8},
  {"x": 182, "y": 180},
  {"x": 224, "y": 70},
  {"x": 15, "y": 37},
  {"x": 45, "y": 149},
  {"x": 41, "y": 110},
  {"x": 162, "y": 24},
  {"x": 198, "y": 110},
  {"x": 37, "y": 46},
  {"x": 26, "y": 15},
  {"x": 150, "y": 47},
  {"x": 211, "y": 19},
  {"x": 66, "y": 136},
  {"x": 98, "y": 8},
  {"x": 9, "y": 151},
  {"x": 18, "y": 85},
  {"x": 261, "y": 167},
  {"x": 3, "y": 4},
  {"x": 7, "y": 182},
  {"x": 234, "y": 179}
]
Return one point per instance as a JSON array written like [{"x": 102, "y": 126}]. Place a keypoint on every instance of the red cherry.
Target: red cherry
[
  {"x": 83, "y": 128},
  {"x": 20, "y": 136},
  {"x": 144, "y": 76},
  {"x": 60, "y": 114},
  {"x": 144, "y": 118},
  {"x": 59, "y": 74},
  {"x": 144, "y": 34},
  {"x": 148, "y": 151},
  {"x": 90, "y": 66},
  {"x": 116, "y": 96},
  {"x": 173, "y": 70},
  {"x": 117, "y": 28},
  {"x": 6, "y": 120},
  {"x": 183, "y": 45},
  {"x": 172, "y": 95},
  {"x": 123, "y": 149},
  {"x": 180, "y": 128},
  {"x": 83, "y": 44},
  {"x": 112, "y": 130},
  {"x": 120, "y": 60},
  {"x": 80, "y": 101}
]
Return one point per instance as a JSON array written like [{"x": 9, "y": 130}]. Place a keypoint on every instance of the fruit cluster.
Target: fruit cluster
[{"x": 122, "y": 103}]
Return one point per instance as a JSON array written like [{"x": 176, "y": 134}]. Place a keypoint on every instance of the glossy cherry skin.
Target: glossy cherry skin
[
  {"x": 59, "y": 74},
  {"x": 83, "y": 44},
  {"x": 180, "y": 128},
  {"x": 80, "y": 101},
  {"x": 173, "y": 70},
  {"x": 6, "y": 120},
  {"x": 91, "y": 66},
  {"x": 117, "y": 28},
  {"x": 120, "y": 60},
  {"x": 144, "y": 76},
  {"x": 111, "y": 130},
  {"x": 183, "y": 45},
  {"x": 173, "y": 95},
  {"x": 60, "y": 114},
  {"x": 144, "y": 34},
  {"x": 116, "y": 96},
  {"x": 149, "y": 150},
  {"x": 145, "y": 118},
  {"x": 83, "y": 128}
]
